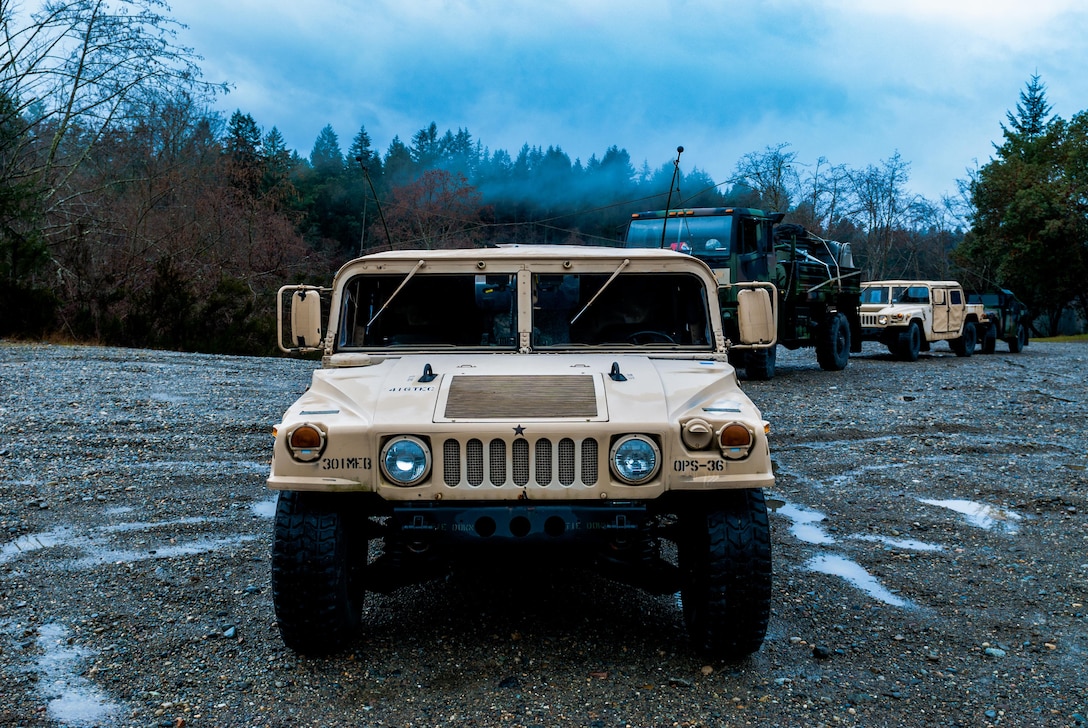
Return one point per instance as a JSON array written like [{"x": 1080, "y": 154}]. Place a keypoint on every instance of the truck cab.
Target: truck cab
[{"x": 814, "y": 281}]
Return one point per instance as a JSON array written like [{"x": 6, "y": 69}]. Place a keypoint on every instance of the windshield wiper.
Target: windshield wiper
[
  {"x": 393, "y": 295},
  {"x": 626, "y": 262}
]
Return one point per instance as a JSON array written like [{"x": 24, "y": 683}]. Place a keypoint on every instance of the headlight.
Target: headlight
[
  {"x": 882, "y": 319},
  {"x": 736, "y": 441},
  {"x": 635, "y": 459},
  {"x": 306, "y": 442},
  {"x": 405, "y": 460}
]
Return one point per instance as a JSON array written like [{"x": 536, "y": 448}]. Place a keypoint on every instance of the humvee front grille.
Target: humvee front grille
[
  {"x": 521, "y": 397},
  {"x": 521, "y": 463},
  {"x": 869, "y": 319}
]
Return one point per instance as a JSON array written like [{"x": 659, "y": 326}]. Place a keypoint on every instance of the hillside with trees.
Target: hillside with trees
[{"x": 132, "y": 214}]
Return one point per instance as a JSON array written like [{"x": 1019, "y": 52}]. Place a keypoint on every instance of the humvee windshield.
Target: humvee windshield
[
  {"x": 445, "y": 310},
  {"x": 912, "y": 294},
  {"x": 894, "y": 294},
  {"x": 706, "y": 237},
  {"x": 634, "y": 309},
  {"x": 874, "y": 294},
  {"x": 473, "y": 310}
]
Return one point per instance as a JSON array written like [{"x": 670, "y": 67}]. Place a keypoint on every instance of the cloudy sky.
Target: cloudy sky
[{"x": 853, "y": 81}]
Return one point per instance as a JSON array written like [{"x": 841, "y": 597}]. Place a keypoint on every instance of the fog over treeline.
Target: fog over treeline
[{"x": 132, "y": 214}]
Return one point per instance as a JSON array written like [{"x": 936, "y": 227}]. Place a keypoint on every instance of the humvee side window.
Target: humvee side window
[
  {"x": 431, "y": 310},
  {"x": 938, "y": 296},
  {"x": 642, "y": 309},
  {"x": 955, "y": 297}
]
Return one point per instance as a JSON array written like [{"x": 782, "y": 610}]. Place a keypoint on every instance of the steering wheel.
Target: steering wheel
[{"x": 650, "y": 337}]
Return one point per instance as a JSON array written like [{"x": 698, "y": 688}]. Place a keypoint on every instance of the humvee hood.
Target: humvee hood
[{"x": 479, "y": 388}]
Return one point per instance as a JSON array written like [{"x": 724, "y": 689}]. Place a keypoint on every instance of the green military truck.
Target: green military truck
[{"x": 816, "y": 284}]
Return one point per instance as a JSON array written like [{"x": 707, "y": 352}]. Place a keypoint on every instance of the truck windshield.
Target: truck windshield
[
  {"x": 443, "y": 310},
  {"x": 635, "y": 309},
  {"x": 700, "y": 236}
]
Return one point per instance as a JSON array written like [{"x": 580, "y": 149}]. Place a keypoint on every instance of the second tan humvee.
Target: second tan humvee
[{"x": 907, "y": 316}]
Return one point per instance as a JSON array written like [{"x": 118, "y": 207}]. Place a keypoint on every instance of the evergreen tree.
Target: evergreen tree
[
  {"x": 1032, "y": 114},
  {"x": 700, "y": 190},
  {"x": 278, "y": 163},
  {"x": 458, "y": 154},
  {"x": 27, "y": 305},
  {"x": 243, "y": 138},
  {"x": 1028, "y": 227},
  {"x": 400, "y": 169},
  {"x": 242, "y": 149},
  {"x": 426, "y": 148},
  {"x": 331, "y": 210},
  {"x": 326, "y": 158},
  {"x": 360, "y": 151},
  {"x": 365, "y": 175}
]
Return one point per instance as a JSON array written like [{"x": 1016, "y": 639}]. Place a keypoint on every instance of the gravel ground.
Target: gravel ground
[{"x": 930, "y": 563}]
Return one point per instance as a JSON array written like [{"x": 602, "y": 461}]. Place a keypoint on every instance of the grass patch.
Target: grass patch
[{"x": 1076, "y": 339}]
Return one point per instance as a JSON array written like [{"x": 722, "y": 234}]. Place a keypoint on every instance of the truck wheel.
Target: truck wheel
[
  {"x": 1017, "y": 344},
  {"x": 760, "y": 363},
  {"x": 833, "y": 344},
  {"x": 910, "y": 343},
  {"x": 989, "y": 340},
  {"x": 965, "y": 344},
  {"x": 726, "y": 560},
  {"x": 316, "y": 584}
]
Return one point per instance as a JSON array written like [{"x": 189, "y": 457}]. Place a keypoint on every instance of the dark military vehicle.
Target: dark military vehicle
[
  {"x": 818, "y": 287},
  {"x": 1008, "y": 319}
]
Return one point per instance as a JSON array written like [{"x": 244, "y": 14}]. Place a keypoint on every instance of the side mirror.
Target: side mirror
[
  {"x": 755, "y": 316},
  {"x": 305, "y": 318}
]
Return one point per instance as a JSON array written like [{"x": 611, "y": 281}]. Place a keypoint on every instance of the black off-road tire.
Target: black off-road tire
[
  {"x": 910, "y": 343},
  {"x": 833, "y": 344},
  {"x": 759, "y": 364},
  {"x": 725, "y": 555},
  {"x": 989, "y": 340},
  {"x": 1018, "y": 342},
  {"x": 317, "y": 560},
  {"x": 965, "y": 344}
]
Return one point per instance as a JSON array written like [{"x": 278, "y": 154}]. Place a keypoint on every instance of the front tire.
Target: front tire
[
  {"x": 725, "y": 555},
  {"x": 317, "y": 559},
  {"x": 910, "y": 343},
  {"x": 989, "y": 340},
  {"x": 833, "y": 345},
  {"x": 760, "y": 363}
]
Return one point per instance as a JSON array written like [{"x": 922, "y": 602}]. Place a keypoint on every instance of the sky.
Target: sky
[{"x": 850, "y": 81}]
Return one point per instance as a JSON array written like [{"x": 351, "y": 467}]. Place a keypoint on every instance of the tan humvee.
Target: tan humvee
[
  {"x": 908, "y": 315},
  {"x": 552, "y": 400}
]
